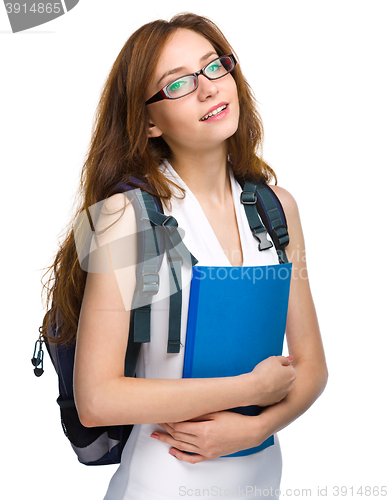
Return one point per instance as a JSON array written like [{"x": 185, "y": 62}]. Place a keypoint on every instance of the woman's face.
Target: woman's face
[{"x": 179, "y": 121}]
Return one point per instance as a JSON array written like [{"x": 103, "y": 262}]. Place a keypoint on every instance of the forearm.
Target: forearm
[
  {"x": 128, "y": 400},
  {"x": 309, "y": 384}
]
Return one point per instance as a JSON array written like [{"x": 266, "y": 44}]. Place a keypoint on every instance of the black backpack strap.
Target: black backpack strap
[
  {"x": 157, "y": 225},
  {"x": 273, "y": 216},
  {"x": 249, "y": 198},
  {"x": 259, "y": 199},
  {"x": 148, "y": 268}
]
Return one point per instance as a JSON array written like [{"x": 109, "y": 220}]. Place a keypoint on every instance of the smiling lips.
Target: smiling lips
[{"x": 216, "y": 111}]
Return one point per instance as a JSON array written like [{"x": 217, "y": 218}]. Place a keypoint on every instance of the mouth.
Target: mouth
[{"x": 215, "y": 111}]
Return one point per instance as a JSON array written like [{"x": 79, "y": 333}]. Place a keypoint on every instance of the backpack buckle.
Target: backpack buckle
[
  {"x": 149, "y": 284},
  {"x": 264, "y": 243},
  {"x": 170, "y": 223},
  {"x": 248, "y": 197}
]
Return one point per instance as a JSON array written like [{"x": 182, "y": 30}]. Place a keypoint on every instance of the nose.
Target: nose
[{"x": 207, "y": 88}]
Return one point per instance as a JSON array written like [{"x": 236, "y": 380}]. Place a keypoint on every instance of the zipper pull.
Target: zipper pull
[{"x": 37, "y": 358}]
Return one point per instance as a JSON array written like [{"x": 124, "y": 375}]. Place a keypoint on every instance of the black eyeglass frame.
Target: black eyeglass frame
[{"x": 162, "y": 94}]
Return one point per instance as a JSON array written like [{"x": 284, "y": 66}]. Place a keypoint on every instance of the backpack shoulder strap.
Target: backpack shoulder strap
[
  {"x": 270, "y": 208},
  {"x": 159, "y": 233},
  {"x": 265, "y": 215}
]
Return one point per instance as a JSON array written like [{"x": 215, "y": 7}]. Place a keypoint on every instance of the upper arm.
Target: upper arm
[
  {"x": 105, "y": 312},
  {"x": 302, "y": 329}
]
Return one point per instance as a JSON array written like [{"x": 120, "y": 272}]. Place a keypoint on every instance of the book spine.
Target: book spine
[{"x": 192, "y": 320}]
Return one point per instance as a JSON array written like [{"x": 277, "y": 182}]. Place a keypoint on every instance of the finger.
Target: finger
[
  {"x": 178, "y": 436},
  {"x": 181, "y": 445},
  {"x": 167, "y": 427},
  {"x": 172, "y": 430},
  {"x": 185, "y": 457},
  {"x": 188, "y": 427},
  {"x": 285, "y": 361}
]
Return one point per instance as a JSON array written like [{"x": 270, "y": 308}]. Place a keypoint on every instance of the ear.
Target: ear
[{"x": 153, "y": 130}]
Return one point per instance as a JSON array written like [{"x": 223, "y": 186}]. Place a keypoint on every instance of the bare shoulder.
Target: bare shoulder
[{"x": 116, "y": 218}]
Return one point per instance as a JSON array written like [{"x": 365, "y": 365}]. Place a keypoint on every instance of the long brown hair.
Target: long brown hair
[{"x": 120, "y": 148}]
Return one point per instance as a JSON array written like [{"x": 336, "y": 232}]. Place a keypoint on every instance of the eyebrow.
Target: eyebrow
[{"x": 181, "y": 68}]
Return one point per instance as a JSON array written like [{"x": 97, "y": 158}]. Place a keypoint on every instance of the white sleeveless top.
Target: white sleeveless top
[{"x": 147, "y": 471}]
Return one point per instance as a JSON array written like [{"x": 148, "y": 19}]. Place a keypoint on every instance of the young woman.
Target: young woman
[{"x": 193, "y": 137}]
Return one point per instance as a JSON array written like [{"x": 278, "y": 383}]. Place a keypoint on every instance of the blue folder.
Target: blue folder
[{"x": 236, "y": 319}]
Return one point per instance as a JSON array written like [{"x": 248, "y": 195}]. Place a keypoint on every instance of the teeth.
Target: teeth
[{"x": 213, "y": 113}]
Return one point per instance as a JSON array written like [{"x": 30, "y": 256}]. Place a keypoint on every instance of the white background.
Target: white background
[{"x": 320, "y": 73}]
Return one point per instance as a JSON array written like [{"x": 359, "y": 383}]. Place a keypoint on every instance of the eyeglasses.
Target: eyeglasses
[{"x": 188, "y": 83}]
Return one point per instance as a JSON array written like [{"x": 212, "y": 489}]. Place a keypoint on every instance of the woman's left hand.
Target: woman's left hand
[{"x": 209, "y": 436}]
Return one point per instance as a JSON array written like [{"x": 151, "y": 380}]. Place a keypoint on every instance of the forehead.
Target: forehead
[{"x": 184, "y": 48}]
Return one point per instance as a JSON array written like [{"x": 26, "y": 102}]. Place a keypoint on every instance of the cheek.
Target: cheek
[
  {"x": 172, "y": 123},
  {"x": 176, "y": 121},
  {"x": 237, "y": 111},
  {"x": 234, "y": 92}
]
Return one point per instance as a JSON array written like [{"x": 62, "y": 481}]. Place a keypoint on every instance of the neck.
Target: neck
[{"x": 205, "y": 174}]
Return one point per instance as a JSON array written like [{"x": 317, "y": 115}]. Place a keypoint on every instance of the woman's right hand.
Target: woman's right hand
[{"x": 273, "y": 380}]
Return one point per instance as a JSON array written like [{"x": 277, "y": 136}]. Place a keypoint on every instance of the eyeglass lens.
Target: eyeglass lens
[{"x": 187, "y": 84}]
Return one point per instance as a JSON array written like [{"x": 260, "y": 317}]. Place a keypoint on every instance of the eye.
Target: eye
[
  {"x": 176, "y": 86},
  {"x": 214, "y": 67}
]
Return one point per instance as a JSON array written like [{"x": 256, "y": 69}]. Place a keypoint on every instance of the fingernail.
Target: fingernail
[
  {"x": 172, "y": 452},
  {"x": 155, "y": 436}
]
